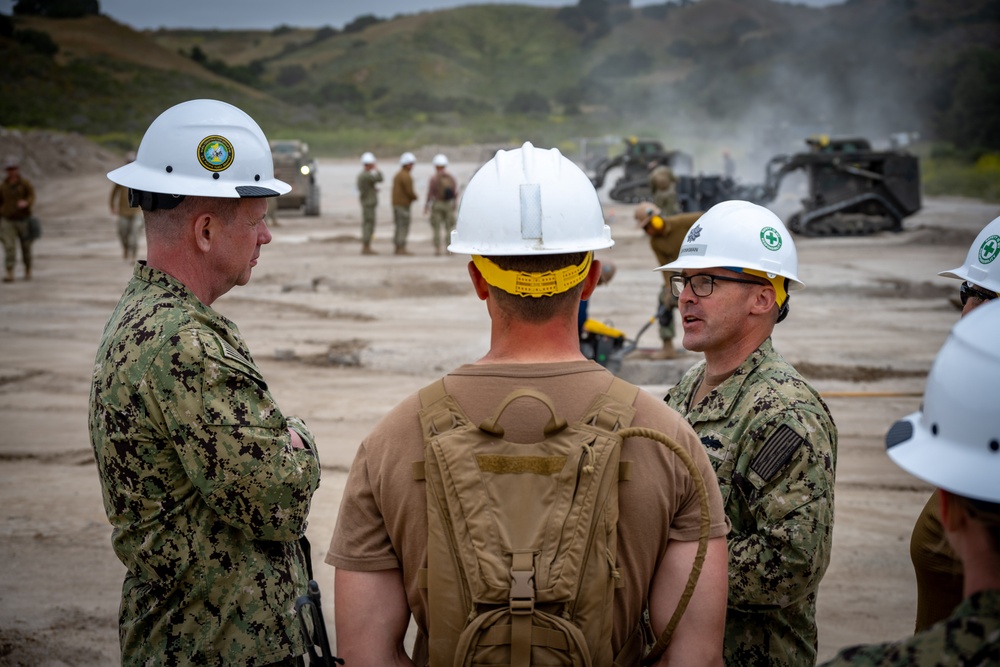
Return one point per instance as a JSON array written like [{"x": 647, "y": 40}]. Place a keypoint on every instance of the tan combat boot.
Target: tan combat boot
[
  {"x": 366, "y": 249},
  {"x": 9, "y": 278},
  {"x": 401, "y": 250},
  {"x": 666, "y": 352}
]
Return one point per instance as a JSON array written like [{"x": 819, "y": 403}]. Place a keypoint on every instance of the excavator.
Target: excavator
[
  {"x": 636, "y": 160},
  {"x": 853, "y": 190}
]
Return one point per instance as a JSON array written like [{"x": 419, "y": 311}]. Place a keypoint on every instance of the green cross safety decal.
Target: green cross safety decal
[
  {"x": 989, "y": 250},
  {"x": 770, "y": 237}
]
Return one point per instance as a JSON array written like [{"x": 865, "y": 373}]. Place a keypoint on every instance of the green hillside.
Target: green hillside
[{"x": 753, "y": 75}]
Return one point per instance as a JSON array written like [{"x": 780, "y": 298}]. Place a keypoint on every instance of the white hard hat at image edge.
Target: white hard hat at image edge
[{"x": 954, "y": 441}]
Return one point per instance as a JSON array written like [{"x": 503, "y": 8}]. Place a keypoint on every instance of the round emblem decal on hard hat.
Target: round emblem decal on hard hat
[
  {"x": 770, "y": 237},
  {"x": 215, "y": 153},
  {"x": 989, "y": 250}
]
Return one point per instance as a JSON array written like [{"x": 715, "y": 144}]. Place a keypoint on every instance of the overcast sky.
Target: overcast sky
[{"x": 268, "y": 14}]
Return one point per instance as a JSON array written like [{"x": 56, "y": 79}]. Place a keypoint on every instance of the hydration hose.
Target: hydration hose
[{"x": 706, "y": 524}]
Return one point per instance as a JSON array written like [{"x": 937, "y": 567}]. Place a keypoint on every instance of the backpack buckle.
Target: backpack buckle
[{"x": 522, "y": 584}]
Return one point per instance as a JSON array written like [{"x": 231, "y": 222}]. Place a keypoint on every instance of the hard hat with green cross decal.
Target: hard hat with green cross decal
[
  {"x": 982, "y": 264},
  {"x": 740, "y": 236}
]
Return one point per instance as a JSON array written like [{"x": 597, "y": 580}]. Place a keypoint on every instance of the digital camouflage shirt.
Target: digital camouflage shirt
[
  {"x": 368, "y": 181},
  {"x": 205, "y": 494},
  {"x": 773, "y": 445},
  {"x": 970, "y": 637}
]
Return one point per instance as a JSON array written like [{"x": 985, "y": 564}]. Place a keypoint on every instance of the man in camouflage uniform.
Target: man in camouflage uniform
[
  {"x": 771, "y": 439},
  {"x": 952, "y": 444},
  {"x": 663, "y": 186},
  {"x": 17, "y": 196},
  {"x": 206, "y": 482},
  {"x": 442, "y": 202},
  {"x": 129, "y": 218},
  {"x": 368, "y": 181}
]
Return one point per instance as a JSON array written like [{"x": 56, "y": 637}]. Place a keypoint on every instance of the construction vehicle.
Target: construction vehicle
[
  {"x": 293, "y": 165},
  {"x": 852, "y": 189},
  {"x": 636, "y": 161}
]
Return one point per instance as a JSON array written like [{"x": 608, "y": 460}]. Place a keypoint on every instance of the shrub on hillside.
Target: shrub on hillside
[
  {"x": 57, "y": 9},
  {"x": 528, "y": 102}
]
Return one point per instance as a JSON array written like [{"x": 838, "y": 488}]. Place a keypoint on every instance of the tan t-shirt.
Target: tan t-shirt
[{"x": 383, "y": 515}]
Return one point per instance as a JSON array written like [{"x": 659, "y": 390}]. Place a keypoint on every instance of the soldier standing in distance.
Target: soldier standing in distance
[
  {"x": 769, "y": 435},
  {"x": 207, "y": 484},
  {"x": 17, "y": 196},
  {"x": 368, "y": 181},
  {"x": 403, "y": 195},
  {"x": 442, "y": 201},
  {"x": 129, "y": 218}
]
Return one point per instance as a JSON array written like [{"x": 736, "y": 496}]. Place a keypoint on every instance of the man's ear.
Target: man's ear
[
  {"x": 205, "y": 227},
  {"x": 590, "y": 282},
  {"x": 478, "y": 282},
  {"x": 763, "y": 300}
]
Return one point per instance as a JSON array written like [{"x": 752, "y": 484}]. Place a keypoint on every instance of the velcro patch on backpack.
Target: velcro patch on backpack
[{"x": 776, "y": 452}]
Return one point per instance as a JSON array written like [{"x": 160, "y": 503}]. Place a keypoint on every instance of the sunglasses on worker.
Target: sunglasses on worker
[
  {"x": 702, "y": 284},
  {"x": 970, "y": 291}
]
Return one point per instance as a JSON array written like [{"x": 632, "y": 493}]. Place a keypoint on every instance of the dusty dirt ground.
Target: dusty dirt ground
[{"x": 342, "y": 337}]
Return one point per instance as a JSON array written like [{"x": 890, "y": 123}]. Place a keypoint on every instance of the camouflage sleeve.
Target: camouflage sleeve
[
  {"x": 230, "y": 437},
  {"x": 783, "y": 523}
]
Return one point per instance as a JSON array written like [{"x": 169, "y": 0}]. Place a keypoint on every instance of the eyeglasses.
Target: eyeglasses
[
  {"x": 702, "y": 284},
  {"x": 970, "y": 291}
]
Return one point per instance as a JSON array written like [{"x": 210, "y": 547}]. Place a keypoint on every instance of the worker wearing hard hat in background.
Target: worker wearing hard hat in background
[
  {"x": 368, "y": 181},
  {"x": 442, "y": 202},
  {"x": 954, "y": 444},
  {"x": 17, "y": 196},
  {"x": 531, "y": 220},
  {"x": 403, "y": 195},
  {"x": 769, "y": 435},
  {"x": 129, "y": 217},
  {"x": 666, "y": 233},
  {"x": 937, "y": 566}
]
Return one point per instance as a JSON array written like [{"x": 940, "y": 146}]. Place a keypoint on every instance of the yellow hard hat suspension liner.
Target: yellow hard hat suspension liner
[{"x": 536, "y": 285}]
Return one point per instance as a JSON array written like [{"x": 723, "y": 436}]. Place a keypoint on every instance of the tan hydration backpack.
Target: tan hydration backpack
[{"x": 522, "y": 538}]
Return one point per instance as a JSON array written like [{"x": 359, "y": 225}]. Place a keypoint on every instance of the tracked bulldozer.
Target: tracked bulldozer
[{"x": 852, "y": 189}]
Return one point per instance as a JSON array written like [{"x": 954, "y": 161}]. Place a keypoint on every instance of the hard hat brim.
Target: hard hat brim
[
  {"x": 945, "y": 464},
  {"x": 133, "y": 175}
]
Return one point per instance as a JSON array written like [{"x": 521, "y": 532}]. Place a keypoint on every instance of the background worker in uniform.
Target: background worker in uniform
[
  {"x": 206, "y": 482},
  {"x": 368, "y": 181},
  {"x": 954, "y": 443},
  {"x": 403, "y": 195},
  {"x": 380, "y": 543},
  {"x": 663, "y": 186},
  {"x": 17, "y": 196},
  {"x": 769, "y": 435},
  {"x": 442, "y": 202},
  {"x": 937, "y": 566},
  {"x": 129, "y": 218},
  {"x": 666, "y": 233}
]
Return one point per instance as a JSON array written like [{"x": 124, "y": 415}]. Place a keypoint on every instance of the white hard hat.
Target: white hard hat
[
  {"x": 979, "y": 267},
  {"x": 529, "y": 201},
  {"x": 738, "y": 234},
  {"x": 440, "y": 160},
  {"x": 954, "y": 441},
  {"x": 367, "y": 158},
  {"x": 407, "y": 158},
  {"x": 203, "y": 148}
]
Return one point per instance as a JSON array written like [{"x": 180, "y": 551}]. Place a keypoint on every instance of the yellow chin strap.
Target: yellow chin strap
[
  {"x": 777, "y": 282},
  {"x": 535, "y": 285}
]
